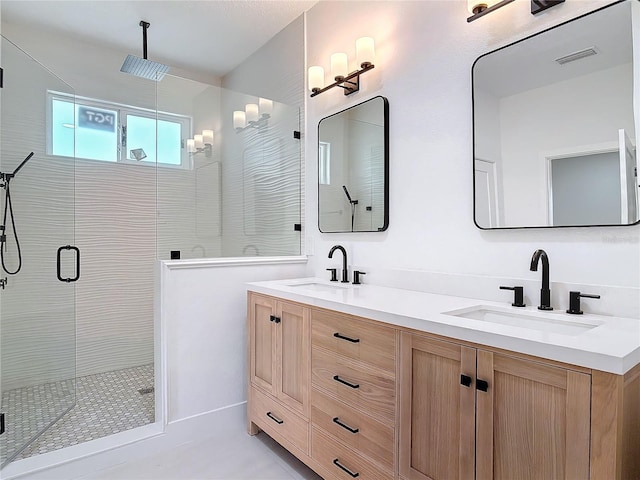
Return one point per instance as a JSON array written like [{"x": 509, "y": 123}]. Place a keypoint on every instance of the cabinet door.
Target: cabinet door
[
  {"x": 437, "y": 412},
  {"x": 262, "y": 342},
  {"x": 532, "y": 421},
  {"x": 293, "y": 344}
]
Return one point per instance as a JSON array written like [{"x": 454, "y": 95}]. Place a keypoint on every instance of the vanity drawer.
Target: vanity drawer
[
  {"x": 342, "y": 462},
  {"x": 372, "y": 390},
  {"x": 354, "y": 338},
  {"x": 359, "y": 431},
  {"x": 278, "y": 421}
]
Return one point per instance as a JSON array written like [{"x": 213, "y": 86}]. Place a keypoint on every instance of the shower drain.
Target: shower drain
[{"x": 144, "y": 391}]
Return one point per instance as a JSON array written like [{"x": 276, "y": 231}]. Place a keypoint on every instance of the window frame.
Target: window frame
[{"x": 122, "y": 110}]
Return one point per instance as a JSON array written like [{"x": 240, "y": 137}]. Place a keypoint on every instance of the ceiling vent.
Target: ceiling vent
[{"x": 572, "y": 57}]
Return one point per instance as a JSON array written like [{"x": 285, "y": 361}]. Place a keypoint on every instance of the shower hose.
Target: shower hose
[{"x": 8, "y": 207}]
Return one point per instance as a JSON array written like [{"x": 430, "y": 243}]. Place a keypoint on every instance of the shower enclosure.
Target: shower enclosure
[
  {"x": 37, "y": 299},
  {"x": 238, "y": 195},
  {"x": 183, "y": 180}
]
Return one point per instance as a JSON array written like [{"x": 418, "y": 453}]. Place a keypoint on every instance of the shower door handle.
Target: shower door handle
[{"x": 69, "y": 279}]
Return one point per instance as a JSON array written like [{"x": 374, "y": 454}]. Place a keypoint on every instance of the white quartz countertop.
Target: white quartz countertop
[{"x": 612, "y": 345}]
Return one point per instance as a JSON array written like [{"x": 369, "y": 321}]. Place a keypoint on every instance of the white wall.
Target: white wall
[
  {"x": 424, "y": 55},
  {"x": 205, "y": 315},
  {"x": 558, "y": 117}
]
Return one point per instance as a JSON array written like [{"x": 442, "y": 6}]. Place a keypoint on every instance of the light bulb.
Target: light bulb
[
  {"x": 191, "y": 145},
  {"x": 265, "y": 106},
  {"x": 198, "y": 141},
  {"x": 477, "y": 6},
  {"x": 239, "y": 119},
  {"x": 365, "y": 51},
  {"x": 252, "y": 112},
  {"x": 339, "y": 66},
  {"x": 316, "y": 78},
  {"x": 207, "y": 137}
]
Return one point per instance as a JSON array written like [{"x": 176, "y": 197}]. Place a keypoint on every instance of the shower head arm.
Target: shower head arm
[
  {"x": 8, "y": 176},
  {"x": 144, "y": 26}
]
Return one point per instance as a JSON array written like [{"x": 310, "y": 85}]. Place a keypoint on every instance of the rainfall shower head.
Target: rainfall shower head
[
  {"x": 141, "y": 67},
  {"x": 138, "y": 154}
]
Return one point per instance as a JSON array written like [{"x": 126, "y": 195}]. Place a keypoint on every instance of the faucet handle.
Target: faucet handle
[
  {"x": 334, "y": 274},
  {"x": 356, "y": 277},
  {"x": 518, "y": 295},
  {"x": 574, "y": 302}
]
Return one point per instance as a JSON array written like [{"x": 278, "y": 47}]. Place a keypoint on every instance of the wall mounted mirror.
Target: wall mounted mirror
[
  {"x": 554, "y": 131},
  {"x": 353, "y": 169}
]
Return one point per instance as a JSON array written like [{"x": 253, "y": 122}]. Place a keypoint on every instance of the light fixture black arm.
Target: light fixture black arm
[{"x": 339, "y": 83}]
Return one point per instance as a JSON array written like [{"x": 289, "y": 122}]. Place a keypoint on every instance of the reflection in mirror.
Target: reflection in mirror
[
  {"x": 554, "y": 131},
  {"x": 353, "y": 169}
]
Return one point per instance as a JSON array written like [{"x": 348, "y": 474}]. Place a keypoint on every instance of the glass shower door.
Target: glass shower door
[{"x": 39, "y": 261}]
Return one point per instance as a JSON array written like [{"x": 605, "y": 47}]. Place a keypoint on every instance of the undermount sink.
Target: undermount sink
[
  {"x": 319, "y": 287},
  {"x": 545, "y": 322}
]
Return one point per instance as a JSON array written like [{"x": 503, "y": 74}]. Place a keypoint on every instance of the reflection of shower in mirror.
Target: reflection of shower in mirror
[{"x": 353, "y": 205}]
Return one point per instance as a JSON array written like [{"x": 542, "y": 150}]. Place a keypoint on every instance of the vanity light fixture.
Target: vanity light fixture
[
  {"x": 479, "y": 8},
  {"x": 201, "y": 143},
  {"x": 350, "y": 82},
  {"x": 538, "y": 6},
  {"x": 254, "y": 115}
]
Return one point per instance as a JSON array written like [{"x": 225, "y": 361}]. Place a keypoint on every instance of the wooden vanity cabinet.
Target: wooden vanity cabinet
[
  {"x": 278, "y": 334},
  {"x": 471, "y": 413},
  {"x": 357, "y": 398},
  {"x": 353, "y": 396}
]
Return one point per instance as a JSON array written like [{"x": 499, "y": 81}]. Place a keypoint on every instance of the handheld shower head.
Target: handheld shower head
[
  {"x": 346, "y": 192},
  {"x": 141, "y": 67}
]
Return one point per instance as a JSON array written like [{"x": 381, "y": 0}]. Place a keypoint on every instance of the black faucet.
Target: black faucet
[
  {"x": 345, "y": 272},
  {"x": 545, "y": 293}
]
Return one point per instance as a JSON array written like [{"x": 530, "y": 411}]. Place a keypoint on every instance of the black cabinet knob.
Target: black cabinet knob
[{"x": 482, "y": 385}]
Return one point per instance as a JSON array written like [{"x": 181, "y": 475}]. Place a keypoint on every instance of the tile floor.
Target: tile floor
[
  {"x": 239, "y": 457},
  {"x": 106, "y": 403}
]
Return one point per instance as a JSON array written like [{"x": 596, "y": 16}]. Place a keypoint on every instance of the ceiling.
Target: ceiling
[
  {"x": 531, "y": 63},
  {"x": 206, "y": 36}
]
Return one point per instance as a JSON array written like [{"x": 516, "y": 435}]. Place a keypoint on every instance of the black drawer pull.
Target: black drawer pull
[
  {"x": 337, "y": 463},
  {"x": 346, "y": 427},
  {"x": 342, "y": 337},
  {"x": 482, "y": 385},
  {"x": 344, "y": 382},
  {"x": 465, "y": 380},
  {"x": 274, "y": 418}
]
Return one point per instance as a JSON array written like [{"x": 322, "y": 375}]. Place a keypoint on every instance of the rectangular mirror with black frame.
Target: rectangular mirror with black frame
[
  {"x": 353, "y": 169},
  {"x": 555, "y": 132}
]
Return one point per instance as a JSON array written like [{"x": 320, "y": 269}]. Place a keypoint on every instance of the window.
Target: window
[
  {"x": 115, "y": 133},
  {"x": 324, "y": 157}
]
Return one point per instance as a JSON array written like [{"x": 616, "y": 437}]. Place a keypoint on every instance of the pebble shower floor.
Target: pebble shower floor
[{"x": 106, "y": 403}]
